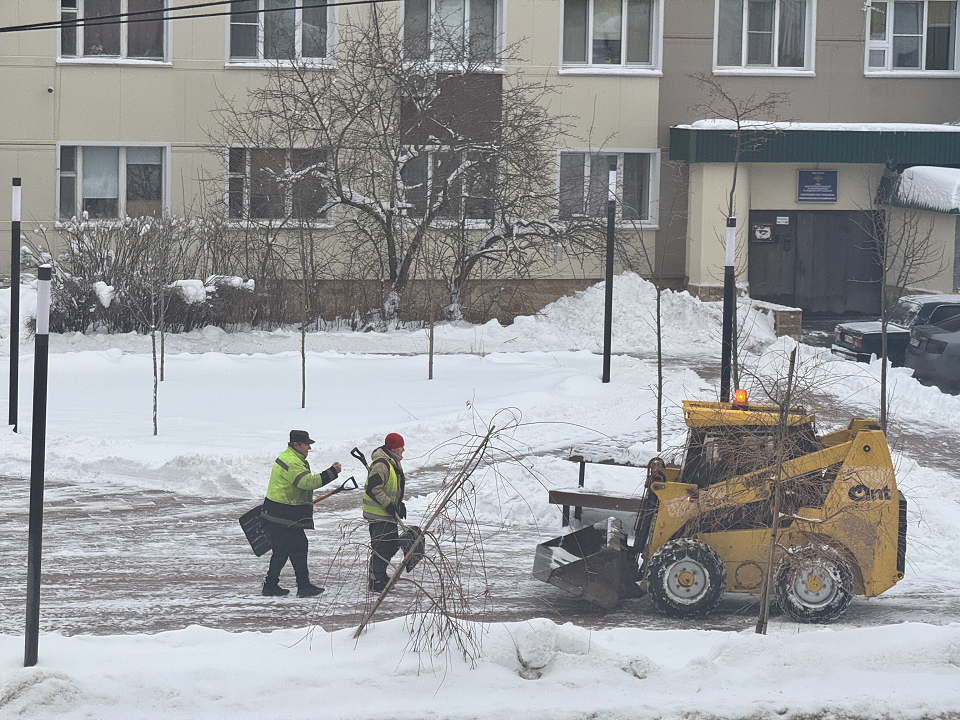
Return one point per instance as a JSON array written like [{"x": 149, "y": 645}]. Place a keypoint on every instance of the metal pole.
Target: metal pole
[
  {"x": 608, "y": 296},
  {"x": 729, "y": 288},
  {"x": 35, "y": 533},
  {"x": 14, "y": 394}
]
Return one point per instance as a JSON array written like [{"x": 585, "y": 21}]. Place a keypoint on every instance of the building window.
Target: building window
[
  {"x": 452, "y": 29},
  {"x": 585, "y": 182},
  {"x": 276, "y": 183},
  {"x": 111, "y": 182},
  {"x": 610, "y": 33},
  {"x": 279, "y": 30},
  {"x": 918, "y": 35},
  {"x": 460, "y": 183},
  {"x": 142, "y": 40},
  {"x": 775, "y": 34}
]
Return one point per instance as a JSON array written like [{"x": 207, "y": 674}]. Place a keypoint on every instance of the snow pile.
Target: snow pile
[
  {"x": 105, "y": 293},
  {"x": 934, "y": 188},
  {"x": 529, "y": 670},
  {"x": 192, "y": 291}
]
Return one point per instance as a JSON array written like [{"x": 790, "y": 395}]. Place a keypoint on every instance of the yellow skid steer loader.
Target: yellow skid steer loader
[{"x": 703, "y": 528}]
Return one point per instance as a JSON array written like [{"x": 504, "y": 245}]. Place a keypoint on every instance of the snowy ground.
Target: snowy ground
[{"x": 149, "y": 604}]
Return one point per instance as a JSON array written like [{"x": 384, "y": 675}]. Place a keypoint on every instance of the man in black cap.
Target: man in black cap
[{"x": 288, "y": 509}]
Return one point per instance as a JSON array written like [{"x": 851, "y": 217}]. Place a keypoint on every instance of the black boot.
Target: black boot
[
  {"x": 271, "y": 588},
  {"x": 308, "y": 590}
]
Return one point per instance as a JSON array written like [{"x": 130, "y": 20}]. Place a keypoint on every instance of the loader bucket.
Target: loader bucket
[{"x": 593, "y": 563}]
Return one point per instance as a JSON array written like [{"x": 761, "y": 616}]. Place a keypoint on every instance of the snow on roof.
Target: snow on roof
[
  {"x": 932, "y": 188},
  {"x": 719, "y": 124}
]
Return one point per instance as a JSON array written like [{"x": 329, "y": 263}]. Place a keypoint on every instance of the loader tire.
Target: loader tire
[
  {"x": 686, "y": 578},
  {"x": 814, "y": 583}
]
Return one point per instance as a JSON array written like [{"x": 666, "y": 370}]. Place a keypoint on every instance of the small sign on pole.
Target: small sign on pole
[{"x": 37, "y": 458}]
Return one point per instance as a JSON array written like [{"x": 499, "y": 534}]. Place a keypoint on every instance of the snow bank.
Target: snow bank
[{"x": 529, "y": 670}]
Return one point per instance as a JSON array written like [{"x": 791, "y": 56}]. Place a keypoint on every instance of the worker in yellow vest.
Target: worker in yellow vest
[
  {"x": 382, "y": 505},
  {"x": 288, "y": 510}
]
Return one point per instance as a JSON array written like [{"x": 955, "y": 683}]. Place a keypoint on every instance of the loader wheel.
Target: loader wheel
[
  {"x": 814, "y": 583},
  {"x": 686, "y": 578}
]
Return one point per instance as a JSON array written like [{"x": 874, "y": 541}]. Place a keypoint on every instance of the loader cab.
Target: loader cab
[{"x": 718, "y": 453}]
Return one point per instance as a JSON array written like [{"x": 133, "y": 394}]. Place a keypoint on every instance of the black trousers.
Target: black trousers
[
  {"x": 288, "y": 543},
  {"x": 384, "y": 544}
]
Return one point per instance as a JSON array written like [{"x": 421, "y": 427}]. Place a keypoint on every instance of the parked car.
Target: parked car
[
  {"x": 934, "y": 354},
  {"x": 861, "y": 340}
]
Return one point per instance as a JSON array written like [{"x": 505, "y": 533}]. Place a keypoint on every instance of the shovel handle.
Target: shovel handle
[
  {"x": 343, "y": 486},
  {"x": 360, "y": 456}
]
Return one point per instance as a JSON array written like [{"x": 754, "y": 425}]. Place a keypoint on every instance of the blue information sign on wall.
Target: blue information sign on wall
[{"x": 817, "y": 186}]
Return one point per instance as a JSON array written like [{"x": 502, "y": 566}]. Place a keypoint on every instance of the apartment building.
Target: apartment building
[{"x": 116, "y": 119}]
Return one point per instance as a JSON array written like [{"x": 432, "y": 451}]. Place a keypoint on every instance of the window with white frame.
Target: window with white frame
[
  {"x": 111, "y": 182},
  {"x": 585, "y": 182},
  {"x": 276, "y": 183},
  {"x": 920, "y": 35},
  {"x": 263, "y": 30},
  {"x": 459, "y": 183},
  {"x": 438, "y": 29},
  {"x": 101, "y": 36},
  {"x": 611, "y": 33},
  {"x": 776, "y": 34}
]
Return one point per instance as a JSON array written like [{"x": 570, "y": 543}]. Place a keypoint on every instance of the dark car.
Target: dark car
[
  {"x": 934, "y": 354},
  {"x": 861, "y": 340}
]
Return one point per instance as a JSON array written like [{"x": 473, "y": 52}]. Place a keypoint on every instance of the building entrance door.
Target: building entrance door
[{"x": 821, "y": 261}]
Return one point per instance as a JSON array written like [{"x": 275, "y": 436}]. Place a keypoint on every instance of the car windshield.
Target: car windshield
[{"x": 904, "y": 313}]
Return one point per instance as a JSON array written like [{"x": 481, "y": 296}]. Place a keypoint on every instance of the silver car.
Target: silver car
[{"x": 934, "y": 354}]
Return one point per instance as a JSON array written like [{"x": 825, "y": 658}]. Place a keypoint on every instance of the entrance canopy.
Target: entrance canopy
[{"x": 715, "y": 141}]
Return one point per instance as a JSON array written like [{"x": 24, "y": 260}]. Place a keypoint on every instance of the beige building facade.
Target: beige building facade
[{"x": 116, "y": 120}]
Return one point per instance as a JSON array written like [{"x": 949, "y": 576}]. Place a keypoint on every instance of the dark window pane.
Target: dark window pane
[
  {"x": 144, "y": 182},
  {"x": 145, "y": 39},
  {"x": 266, "y": 196},
  {"x": 483, "y": 30},
  {"x": 878, "y": 20},
  {"x": 941, "y": 35},
  {"x": 68, "y": 34},
  {"x": 636, "y": 167},
  {"x": 309, "y": 194},
  {"x": 100, "y": 208},
  {"x": 479, "y": 189},
  {"x": 571, "y": 184},
  {"x": 907, "y": 18},
  {"x": 575, "y": 31},
  {"x": 68, "y": 197},
  {"x": 906, "y": 51},
  {"x": 236, "y": 162},
  {"x": 445, "y": 189},
  {"x": 279, "y": 42},
  {"x": 235, "y": 197},
  {"x": 243, "y": 29},
  {"x": 314, "y": 31},
  {"x": 101, "y": 39},
  {"x": 793, "y": 21},
  {"x": 414, "y": 176},
  {"x": 68, "y": 158},
  {"x": 416, "y": 29}
]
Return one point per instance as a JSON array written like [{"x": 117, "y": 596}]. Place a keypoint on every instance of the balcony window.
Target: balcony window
[
  {"x": 452, "y": 29},
  {"x": 916, "y": 36},
  {"x": 284, "y": 30},
  {"x": 765, "y": 34},
  {"x": 610, "y": 33},
  {"x": 141, "y": 40},
  {"x": 585, "y": 180}
]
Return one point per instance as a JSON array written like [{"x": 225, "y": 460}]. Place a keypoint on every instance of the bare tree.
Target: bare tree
[
  {"x": 906, "y": 253},
  {"x": 408, "y": 147},
  {"x": 752, "y": 122}
]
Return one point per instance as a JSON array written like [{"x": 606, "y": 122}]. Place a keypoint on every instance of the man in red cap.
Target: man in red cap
[{"x": 382, "y": 505}]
